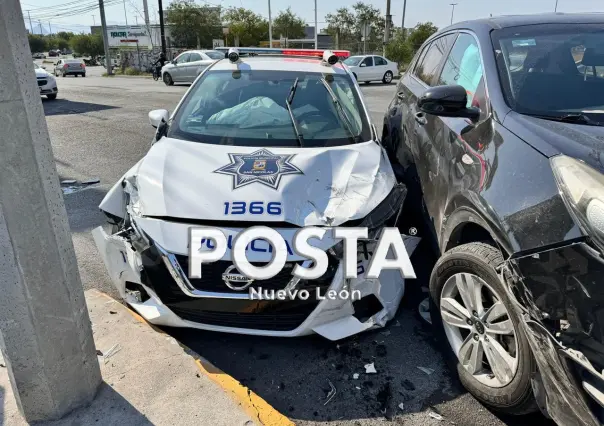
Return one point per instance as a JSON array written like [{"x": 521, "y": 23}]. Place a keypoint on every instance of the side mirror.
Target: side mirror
[
  {"x": 157, "y": 116},
  {"x": 363, "y": 64},
  {"x": 447, "y": 101},
  {"x": 43, "y": 68},
  {"x": 174, "y": 62}
]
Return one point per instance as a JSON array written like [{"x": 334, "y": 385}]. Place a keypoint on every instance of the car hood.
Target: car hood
[
  {"x": 553, "y": 137},
  {"x": 315, "y": 186},
  {"x": 40, "y": 73}
]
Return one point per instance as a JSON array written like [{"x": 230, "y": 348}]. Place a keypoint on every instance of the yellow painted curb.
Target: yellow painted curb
[{"x": 254, "y": 405}]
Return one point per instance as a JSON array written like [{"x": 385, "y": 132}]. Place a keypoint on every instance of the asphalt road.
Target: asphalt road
[{"x": 99, "y": 129}]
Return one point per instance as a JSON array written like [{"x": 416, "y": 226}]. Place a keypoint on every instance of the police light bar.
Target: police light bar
[{"x": 329, "y": 56}]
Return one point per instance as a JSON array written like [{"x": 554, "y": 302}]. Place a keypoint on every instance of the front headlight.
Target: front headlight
[
  {"x": 387, "y": 212},
  {"x": 582, "y": 188}
]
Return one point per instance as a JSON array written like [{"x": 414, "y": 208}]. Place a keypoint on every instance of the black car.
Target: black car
[{"x": 496, "y": 129}]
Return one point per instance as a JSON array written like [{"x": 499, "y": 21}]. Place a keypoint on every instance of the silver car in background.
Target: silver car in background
[
  {"x": 188, "y": 65},
  {"x": 67, "y": 67}
]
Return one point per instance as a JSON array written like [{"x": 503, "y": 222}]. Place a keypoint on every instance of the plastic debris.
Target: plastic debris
[
  {"x": 401, "y": 406},
  {"x": 113, "y": 312},
  {"x": 385, "y": 333},
  {"x": 426, "y": 370},
  {"x": 114, "y": 349},
  {"x": 355, "y": 376},
  {"x": 424, "y": 310},
  {"x": 397, "y": 324},
  {"x": 331, "y": 393},
  {"x": 90, "y": 181},
  {"x": 436, "y": 416},
  {"x": 99, "y": 353},
  {"x": 370, "y": 369},
  {"x": 3, "y": 365},
  {"x": 68, "y": 182}
]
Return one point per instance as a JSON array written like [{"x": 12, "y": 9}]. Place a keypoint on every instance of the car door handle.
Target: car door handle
[
  {"x": 401, "y": 95},
  {"x": 420, "y": 117}
]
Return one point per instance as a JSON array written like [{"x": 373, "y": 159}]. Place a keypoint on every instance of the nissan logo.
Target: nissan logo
[{"x": 235, "y": 280}]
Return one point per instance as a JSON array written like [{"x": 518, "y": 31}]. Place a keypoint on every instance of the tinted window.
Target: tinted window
[
  {"x": 214, "y": 54},
  {"x": 248, "y": 108},
  {"x": 368, "y": 61},
  {"x": 353, "y": 61},
  {"x": 427, "y": 68},
  {"x": 463, "y": 66},
  {"x": 553, "y": 69},
  {"x": 194, "y": 57},
  {"x": 380, "y": 61},
  {"x": 183, "y": 58}
]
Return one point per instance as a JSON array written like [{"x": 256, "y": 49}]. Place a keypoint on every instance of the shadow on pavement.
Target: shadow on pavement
[{"x": 64, "y": 107}]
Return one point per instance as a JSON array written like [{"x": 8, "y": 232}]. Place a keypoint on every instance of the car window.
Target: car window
[
  {"x": 380, "y": 61},
  {"x": 552, "y": 69},
  {"x": 194, "y": 57},
  {"x": 183, "y": 58},
  {"x": 463, "y": 66},
  {"x": 428, "y": 66},
  {"x": 248, "y": 108},
  {"x": 368, "y": 61},
  {"x": 212, "y": 54}
]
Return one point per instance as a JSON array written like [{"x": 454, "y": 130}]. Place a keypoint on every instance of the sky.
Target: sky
[{"x": 437, "y": 11}]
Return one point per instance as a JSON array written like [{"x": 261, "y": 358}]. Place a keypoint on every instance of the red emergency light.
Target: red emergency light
[{"x": 253, "y": 51}]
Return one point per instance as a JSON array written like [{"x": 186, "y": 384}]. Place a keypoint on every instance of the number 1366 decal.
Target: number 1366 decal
[{"x": 254, "y": 207}]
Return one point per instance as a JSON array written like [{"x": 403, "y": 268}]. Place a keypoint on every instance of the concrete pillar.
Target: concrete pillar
[{"x": 45, "y": 332}]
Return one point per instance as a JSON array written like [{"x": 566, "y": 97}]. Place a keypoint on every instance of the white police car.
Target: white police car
[{"x": 271, "y": 137}]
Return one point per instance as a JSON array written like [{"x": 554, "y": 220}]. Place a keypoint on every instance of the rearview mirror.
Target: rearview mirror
[
  {"x": 447, "y": 101},
  {"x": 157, "y": 116}
]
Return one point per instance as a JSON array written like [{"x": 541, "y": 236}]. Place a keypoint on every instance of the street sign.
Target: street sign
[{"x": 217, "y": 42}]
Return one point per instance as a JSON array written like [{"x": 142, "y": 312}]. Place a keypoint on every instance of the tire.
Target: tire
[
  {"x": 84, "y": 75},
  {"x": 168, "y": 79},
  {"x": 76, "y": 75},
  {"x": 64, "y": 75},
  {"x": 481, "y": 260},
  {"x": 387, "y": 77},
  {"x": 52, "y": 97}
]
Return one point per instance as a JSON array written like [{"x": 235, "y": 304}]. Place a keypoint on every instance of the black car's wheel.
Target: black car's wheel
[
  {"x": 76, "y": 75},
  {"x": 64, "y": 75},
  {"x": 479, "y": 330},
  {"x": 52, "y": 97},
  {"x": 84, "y": 75},
  {"x": 387, "y": 77},
  {"x": 168, "y": 79}
]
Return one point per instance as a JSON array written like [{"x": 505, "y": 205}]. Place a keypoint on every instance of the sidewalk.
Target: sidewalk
[{"x": 149, "y": 379}]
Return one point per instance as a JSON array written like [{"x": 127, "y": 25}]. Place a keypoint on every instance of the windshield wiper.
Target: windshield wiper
[
  {"x": 570, "y": 118},
  {"x": 288, "y": 103},
  {"x": 339, "y": 107}
]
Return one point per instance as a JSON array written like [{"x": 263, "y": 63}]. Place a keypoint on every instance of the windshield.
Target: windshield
[
  {"x": 553, "y": 70},
  {"x": 214, "y": 54},
  {"x": 249, "y": 108},
  {"x": 353, "y": 61},
  {"x": 36, "y": 66}
]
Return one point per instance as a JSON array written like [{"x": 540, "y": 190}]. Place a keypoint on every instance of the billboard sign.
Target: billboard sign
[{"x": 129, "y": 37}]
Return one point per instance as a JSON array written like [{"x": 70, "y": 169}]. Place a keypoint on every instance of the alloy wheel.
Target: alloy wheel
[
  {"x": 388, "y": 77},
  {"x": 479, "y": 329}
]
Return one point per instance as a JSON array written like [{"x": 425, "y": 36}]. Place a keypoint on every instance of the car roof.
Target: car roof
[
  {"x": 506, "y": 21},
  {"x": 280, "y": 63}
]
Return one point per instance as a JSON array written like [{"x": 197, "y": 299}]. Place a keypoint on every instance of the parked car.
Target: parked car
[
  {"x": 367, "y": 68},
  {"x": 39, "y": 56},
  {"x": 188, "y": 65},
  {"x": 503, "y": 152},
  {"x": 67, "y": 67},
  {"x": 46, "y": 82}
]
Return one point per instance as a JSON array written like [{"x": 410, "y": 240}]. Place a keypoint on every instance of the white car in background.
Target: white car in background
[
  {"x": 368, "y": 68},
  {"x": 188, "y": 65},
  {"x": 46, "y": 82}
]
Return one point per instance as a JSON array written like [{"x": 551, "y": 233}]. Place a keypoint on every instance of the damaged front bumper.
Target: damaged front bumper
[
  {"x": 560, "y": 298},
  {"x": 153, "y": 281}
]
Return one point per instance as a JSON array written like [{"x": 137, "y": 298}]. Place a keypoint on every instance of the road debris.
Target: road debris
[
  {"x": 385, "y": 333},
  {"x": 114, "y": 349},
  {"x": 370, "y": 369},
  {"x": 426, "y": 370},
  {"x": 68, "y": 182},
  {"x": 401, "y": 406},
  {"x": 358, "y": 387},
  {"x": 113, "y": 312},
  {"x": 2, "y": 365},
  {"x": 397, "y": 324},
  {"x": 90, "y": 181},
  {"x": 355, "y": 376},
  {"x": 408, "y": 385},
  {"x": 424, "y": 310},
  {"x": 99, "y": 353},
  {"x": 436, "y": 416},
  {"x": 331, "y": 393}
]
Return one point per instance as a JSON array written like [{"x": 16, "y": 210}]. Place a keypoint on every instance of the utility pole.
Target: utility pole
[
  {"x": 125, "y": 14},
  {"x": 452, "y": 11},
  {"x": 146, "y": 12},
  {"x": 270, "y": 26},
  {"x": 316, "y": 28},
  {"x": 136, "y": 19},
  {"x": 403, "y": 23},
  {"x": 105, "y": 38},
  {"x": 556, "y": 7},
  {"x": 162, "y": 30},
  {"x": 49, "y": 28},
  {"x": 41, "y": 28},
  {"x": 387, "y": 26},
  {"x": 46, "y": 335},
  {"x": 31, "y": 27},
  {"x": 93, "y": 21}
]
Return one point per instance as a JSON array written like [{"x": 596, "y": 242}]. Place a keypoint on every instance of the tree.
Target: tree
[
  {"x": 64, "y": 35},
  {"x": 192, "y": 24},
  {"x": 289, "y": 25},
  {"x": 248, "y": 26},
  {"x": 420, "y": 33},
  {"x": 87, "y": 44},
  {"x": 37, "y": 43},
  {"x": 347, "y": 24},
  {"x": 399, "y": 50}
]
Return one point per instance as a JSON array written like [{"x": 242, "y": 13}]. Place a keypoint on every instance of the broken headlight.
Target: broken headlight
[
  {"x": 582, "y": 188},
  {"x": 387, "y": 212}
]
